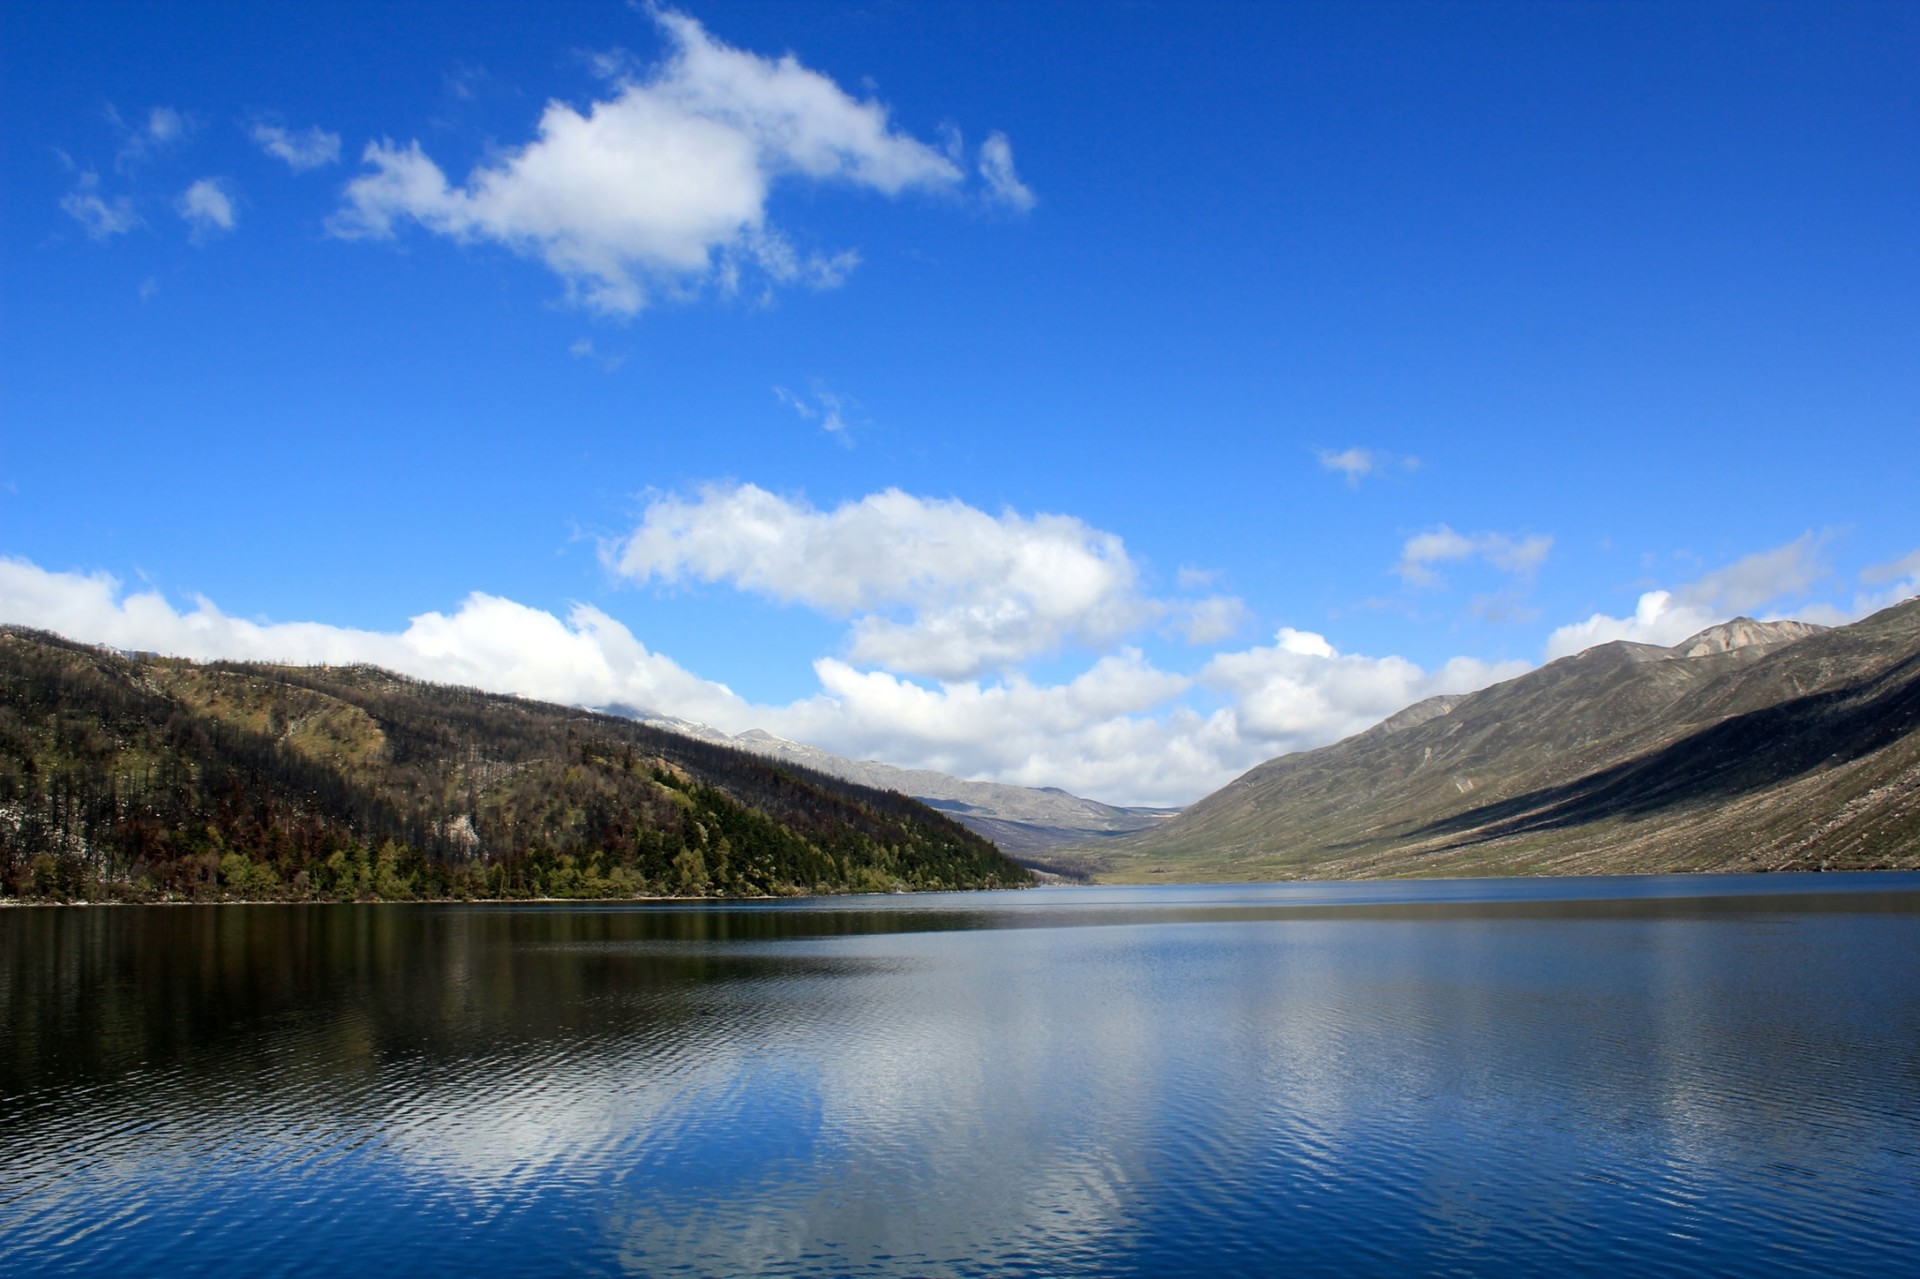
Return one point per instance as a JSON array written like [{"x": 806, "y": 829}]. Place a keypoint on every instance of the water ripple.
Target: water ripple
[{"x": 1342, "y": 1081}]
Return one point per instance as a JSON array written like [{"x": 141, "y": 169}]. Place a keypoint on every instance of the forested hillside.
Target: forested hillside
[{"x": 139, "y": 778}]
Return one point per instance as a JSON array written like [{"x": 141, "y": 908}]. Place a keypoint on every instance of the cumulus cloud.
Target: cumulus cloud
[
  {"x": 933, "y": 587},
  {"x": 488, "y": 642},
  {"x": 1011, "y": 730},
  {"x": 1117, "y": 731},
  {"x": 101, "y": 217},
  {"x": 1521, "y": 556},
  {"x": 663, "y": 186},
  {"x": 1749, "y": 585},
  {"x": 996, "y": 167},
  {"x": 306, "y": 149},
  {"x": 1301, "y": 692},
  {"x": 1121, "y": 729},
  {"x": 1358, "y": 463},
  {"x": 1660, "y": 617},
  {"x": 1097, "y": 732},
  {"x": 207, "y": 206}
]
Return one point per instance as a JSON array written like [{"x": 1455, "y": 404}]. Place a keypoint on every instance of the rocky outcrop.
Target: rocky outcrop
[{"x": 1743, "y": 632}]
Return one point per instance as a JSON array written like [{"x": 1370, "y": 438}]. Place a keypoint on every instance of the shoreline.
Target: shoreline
[{"x": 7, "y": 903}]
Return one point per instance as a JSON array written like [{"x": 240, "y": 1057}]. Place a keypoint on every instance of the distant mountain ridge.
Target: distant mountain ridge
[
  {"x": 1749, "y": 746},
  {"x": 1024, "y": 821}
]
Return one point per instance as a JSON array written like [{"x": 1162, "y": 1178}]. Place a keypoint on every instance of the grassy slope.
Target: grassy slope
[{"x": 1622, "y": 759}]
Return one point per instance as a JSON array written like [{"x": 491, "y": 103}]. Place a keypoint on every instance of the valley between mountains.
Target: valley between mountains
[
  {"x": 1752, "y": 746},
  {"x": 1749, "y": 746}
]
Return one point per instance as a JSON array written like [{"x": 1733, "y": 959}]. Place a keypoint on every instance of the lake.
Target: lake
[{"x": 1671, "y": 1075}]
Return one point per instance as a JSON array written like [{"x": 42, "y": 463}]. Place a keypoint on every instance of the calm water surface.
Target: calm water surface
[{"x": 1678, "y": 1076}]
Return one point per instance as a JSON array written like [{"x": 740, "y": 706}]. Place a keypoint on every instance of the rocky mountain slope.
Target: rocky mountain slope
[
  {"x": 1024, "y": 821},
  {"x": 1751, "y": 746},
  {"x": 135, "y": 777}
]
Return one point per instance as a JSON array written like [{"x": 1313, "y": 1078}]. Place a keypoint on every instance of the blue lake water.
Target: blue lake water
[{"x": 1652, "y": 1076}]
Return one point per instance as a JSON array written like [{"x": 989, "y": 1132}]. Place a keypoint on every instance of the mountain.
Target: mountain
[
  {"x": 1024, "y": 821},
  {"x": 133, "y": 777},
  {"x": 1750, "y": 746}
]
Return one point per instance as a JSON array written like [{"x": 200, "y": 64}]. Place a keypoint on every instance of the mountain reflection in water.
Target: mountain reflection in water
[{"x": 1660, "y": 1075}]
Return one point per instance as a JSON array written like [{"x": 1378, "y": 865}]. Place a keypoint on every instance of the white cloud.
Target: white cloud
[
  {"x": 664, "y": 186},
  {"x": 207, "y": 206},
  {"x": 1121, "y": 729},
  {"x": 1094, "y": 731},
  {"x": 609, "y": 361},
  {"x": 1764, "y": 577},
  {"x": 1907, "y": 566},
  {"x": 1116, "y": 731},
  {"x": 163, "y": 128},
  {"x": 102, "y": 218},
  {"x": 1748, "y": 585},
  {"x": 1357, "y": 463},
  {"x": 1190, "y": 578},
  {"x": 933, "y": 587},
  {"x": 1090, "y": 732},
  {"x": 1658, "y": 618},
  {"x": 1301, "y": 692},
  {"x": 1209, "y": 620},
  {"x": 1431, "y": 547},
  {"x": 828, "y": 408},
  {"x": 306, "y": 149},
  {"x": 164, "y": 124},
  {"x": 1898, "y": 580},
  {"x": 1520, "y": 556},
  {"x": 996, "y": 167},
  {"x": 488, "y": 642}
]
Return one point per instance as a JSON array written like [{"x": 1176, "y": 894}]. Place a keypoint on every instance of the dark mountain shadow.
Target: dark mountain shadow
[{"x": 1738, "y": 756}]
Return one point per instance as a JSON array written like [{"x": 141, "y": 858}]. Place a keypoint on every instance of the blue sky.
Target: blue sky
[{"x": 1099, "y": 396}]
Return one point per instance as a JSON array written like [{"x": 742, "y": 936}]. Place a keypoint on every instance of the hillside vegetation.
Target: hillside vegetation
[
  {"x": 1752, "y": 746},
  {"x": 140, "y": 778}
]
